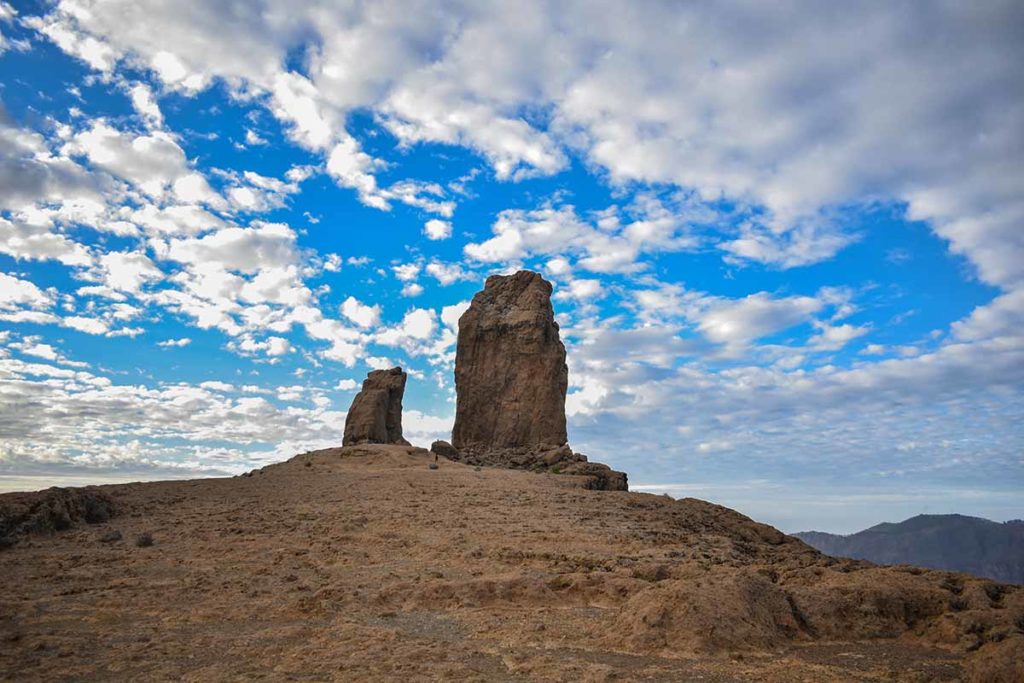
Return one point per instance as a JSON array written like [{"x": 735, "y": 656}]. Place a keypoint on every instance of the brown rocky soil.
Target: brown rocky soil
[{"x": 362, "y": 563}]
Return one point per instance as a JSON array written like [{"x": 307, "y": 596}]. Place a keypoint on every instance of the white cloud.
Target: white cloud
[
  {"x": 216, "y": 385},
  {"x": 447, "y": 273},
  {"x": 741, "y": 321},
  {"x": 436, "y": 229},
  {"x": 413, "y": 333},
  {"x": 609, "y": 244},
  {"x": 253, "y": 138},
  {"x": 835, "y": 337},
  {"x": 582, "y": 289},
  {"x": 84, "y": 324},
  {"x": 152, "y": 162},
  {"x": 193, "y": 188},
  {"x": 127, "y": 271},
  {"x": 360, "y": 313},
  {"x": 25, "y": 239},
  {"x": 412, "y": 289},
  {"x": 272, "y": 347},
  {"x": 170, "y": 343},
  {"x": 146, "y": 106},
  {"x": 407, "y": 272},
  {"x": 15, "y": 293},
  {"x": 264, "y": 245}
]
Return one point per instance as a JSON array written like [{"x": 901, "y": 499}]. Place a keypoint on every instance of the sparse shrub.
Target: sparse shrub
[
  {"x": 144, "y": 540},
  {"x": 994, "y": 591}
]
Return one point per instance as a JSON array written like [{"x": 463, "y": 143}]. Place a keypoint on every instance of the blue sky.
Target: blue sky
[{"x": 786, "y": 242}]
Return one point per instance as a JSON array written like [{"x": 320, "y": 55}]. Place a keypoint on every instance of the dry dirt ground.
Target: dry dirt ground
[{"x": 363, "y": 564}]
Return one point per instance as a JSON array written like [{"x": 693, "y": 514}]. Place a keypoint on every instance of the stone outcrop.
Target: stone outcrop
[
  {"x": 599, "y": 476},
  {"x": 50, "y": 511},
  {"x": 511, "y": 380},
  {"x": 376, "y": 412},
  {"x": 510, "y": 371}
]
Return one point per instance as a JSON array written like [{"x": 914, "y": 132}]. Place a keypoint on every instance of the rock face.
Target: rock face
[
  {"x": 511, "y": 379},
  {"x": 376, "y": 412},
  {"x": 510, "y": 372}
]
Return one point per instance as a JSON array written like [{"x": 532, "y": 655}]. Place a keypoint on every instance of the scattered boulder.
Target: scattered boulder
[
  {"x": 111, "y": 537},
  {"x": 510, "y": 371},
  {"x": 556, "y": 455},
  {"x": 445, "y": 450},
  {"x": 50, "y": 511},
  {"x": 144, "y": 540},
  {"x": 376, "y": 412}
]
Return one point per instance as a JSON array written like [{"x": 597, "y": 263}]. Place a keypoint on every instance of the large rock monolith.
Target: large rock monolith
[
  {"x": 510, "y": 372},
  {"x": 376, "y": 412},
  {"x": 510, "y": 384}
]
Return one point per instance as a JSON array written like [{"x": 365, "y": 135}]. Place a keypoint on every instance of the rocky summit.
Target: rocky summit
[
  {"x": 376, "y": 412},
  {"x": 360, "y": 563},
  {"x": 511, "y": 379}
]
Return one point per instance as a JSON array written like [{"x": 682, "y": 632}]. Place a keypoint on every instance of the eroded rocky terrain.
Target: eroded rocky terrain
[{"x": 362, "y": 563}]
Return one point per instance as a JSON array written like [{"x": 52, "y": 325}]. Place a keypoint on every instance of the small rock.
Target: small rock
[
  {"x": 444, "y": 449},
  {"x": 111, "y": 536},
  {"x": 556, "y": 455},
  {"x": 433, "y": 466},
  {"x": 144, "y": 540}
]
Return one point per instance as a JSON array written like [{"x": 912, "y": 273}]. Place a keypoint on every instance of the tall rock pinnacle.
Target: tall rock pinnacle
[
  {"x": 510, "y": 372},
  {"x": 376, "y": 412},
  {"x": 510, "y": 383}
]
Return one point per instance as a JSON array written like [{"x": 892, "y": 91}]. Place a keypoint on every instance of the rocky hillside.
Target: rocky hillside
[
  {"x": 957, "y": 542},
  {"x": 362, "y": 563}
]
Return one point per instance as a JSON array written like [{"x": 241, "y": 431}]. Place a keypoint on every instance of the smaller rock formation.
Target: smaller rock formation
[{"x": 376, "y": 412}]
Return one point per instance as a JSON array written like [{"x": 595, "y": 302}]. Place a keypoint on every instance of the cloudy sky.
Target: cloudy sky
[{"x": 787, "y": 239}]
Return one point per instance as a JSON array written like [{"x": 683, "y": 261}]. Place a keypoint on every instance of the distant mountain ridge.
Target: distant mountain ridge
[{"x": 953, "y": 542}]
